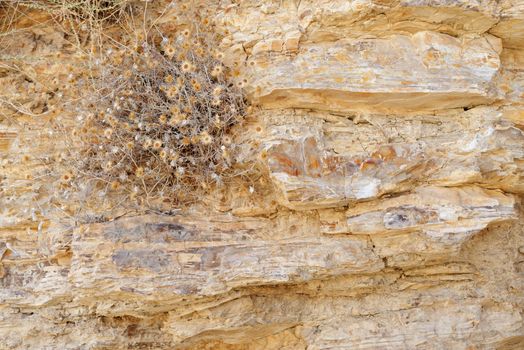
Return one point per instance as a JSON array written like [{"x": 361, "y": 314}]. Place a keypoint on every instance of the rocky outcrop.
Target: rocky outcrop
[
  {"x": 422, "y": 71},
  {"x": 319, "y": 160},
  {"x": 390, "y": 135}
]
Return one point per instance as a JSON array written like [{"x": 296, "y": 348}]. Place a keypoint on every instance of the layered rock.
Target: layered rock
[
  {"x": 257, "y": 317},
  {"x": 432, "y": 210},
  {"x": 159, "y": 259},
  {"x": 390, "y": 135},
  {"x": 511, "y": 25},
  {"x": 423, "y": 71},
  {"x": 328, "y": 161}
]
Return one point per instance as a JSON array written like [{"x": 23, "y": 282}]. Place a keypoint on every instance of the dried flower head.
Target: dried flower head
[
  {"x": 147, "y": 143},
  {"x": 108, "y": 132},
  {"x": 205, "y": 138},
  {"x": 216, "y": 102},
  {"x": 200, "y": 51},
  {"x": 185, "y": 66},
  {"x": 157, "y": 144},
  {"x": 170, "y": 51},
  {"x": 67, "y": 176},
  {"x": 217, "y": 91},
  {"x": 174, "y": 110},
  {"x": 172, "y": 92},
  {"x": 216, "y": 71}
]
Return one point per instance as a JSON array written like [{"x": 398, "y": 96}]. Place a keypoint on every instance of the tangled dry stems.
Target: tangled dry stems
[
  {"x": 99, "y": 10},
  {"x": 75, "y": 17},
  {"x": 156, "y": 120}
]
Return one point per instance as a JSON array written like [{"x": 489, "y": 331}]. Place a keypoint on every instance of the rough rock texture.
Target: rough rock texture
[
  {"x": 422, "y": 71},
  {"x": 392, "y": 134}
]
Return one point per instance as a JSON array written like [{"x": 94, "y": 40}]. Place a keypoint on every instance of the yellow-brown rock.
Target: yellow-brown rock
[
  {"x": 390, "y": 134},
  {"x": 422, "y": 71},
  {"x": 318, "y": 161}
]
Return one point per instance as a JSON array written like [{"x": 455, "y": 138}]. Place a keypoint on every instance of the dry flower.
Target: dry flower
[
  {"x": 170, "y": 51},
  {"x": 185, "y": 66},
  {"x": 205, "y": 138},
  {"x": 157, "y": 144},
  {"x": 66, "y": 177},
  {"x": 147, "y": 143},
  {"x": 216, "y": 71}
]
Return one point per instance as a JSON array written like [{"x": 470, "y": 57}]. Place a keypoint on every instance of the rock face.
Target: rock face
[
  {"x": 328, "y": 163},
  {"x": 391, "y": 134},
  {"x": 373, "y": 74}
]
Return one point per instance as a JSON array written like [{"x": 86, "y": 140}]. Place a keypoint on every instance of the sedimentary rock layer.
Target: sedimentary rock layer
[
  {"x": 423, "y": 71},
  {"x": 389, "y": 139}
]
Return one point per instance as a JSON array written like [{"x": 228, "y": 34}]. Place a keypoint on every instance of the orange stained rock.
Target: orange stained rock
[
  {"x": 313, "y": 162},
  {"x": 286, "y": 164},
  {"x": 369, "y": 163},
  {"x": 384, "y": 153},
  {"x": 332, "y": 164}
]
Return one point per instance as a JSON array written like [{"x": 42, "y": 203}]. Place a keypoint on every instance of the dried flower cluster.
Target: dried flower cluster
[{"x": 156, "y": 118}]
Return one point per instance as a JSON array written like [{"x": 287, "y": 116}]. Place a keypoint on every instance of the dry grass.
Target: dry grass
[
  {"x": 76, "y": 18},
  {"x": 94, "y": 10}
]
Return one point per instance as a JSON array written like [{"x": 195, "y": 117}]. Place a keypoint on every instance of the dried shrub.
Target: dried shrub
[
  {"x": 79, "y": 20},
  {"x": 156, "y": 118},
  {"x": 95, "y": 10}
]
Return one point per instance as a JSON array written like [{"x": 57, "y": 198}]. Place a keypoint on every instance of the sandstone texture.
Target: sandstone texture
[{"x": 391, "y": 136}]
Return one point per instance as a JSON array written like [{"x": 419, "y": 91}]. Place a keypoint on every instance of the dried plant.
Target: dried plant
[
  {"x": 99, "y": 10},
  {"x": 77, "y": 19},
  {"x": 156, "y": 118}
]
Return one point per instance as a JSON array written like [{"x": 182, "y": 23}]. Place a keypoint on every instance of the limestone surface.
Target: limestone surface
[{"x": 389, "y": 135}]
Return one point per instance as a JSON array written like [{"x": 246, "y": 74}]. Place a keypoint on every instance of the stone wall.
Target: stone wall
[{"x": 392, "y": 135}]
